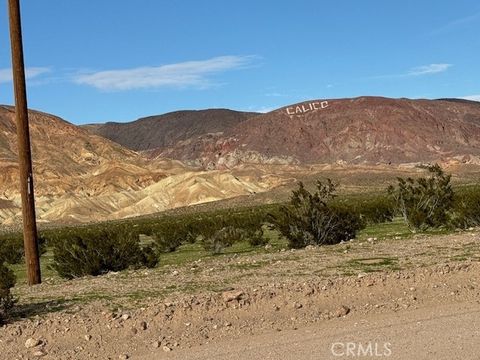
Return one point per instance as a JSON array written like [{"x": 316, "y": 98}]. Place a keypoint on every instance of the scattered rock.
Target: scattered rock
[
  {"x": 123, "y": 357},
  {"x": 31, "y": 343},
  {"x": 166, "y": 349},
  {"x": 125, "y": 317},
  {"x": 88, "y": 337},
  {"x": 297, "y": 305},
  {"x": 143, "y": 325},
  {"x": 175, "y": 273},
  {"x": 156, "y": 344},
  {"x": 309, "y": 291},
  {"x": 232, "y": 295},
  {"x": 342, "y": 311},
  {"x": 39, "y": 353}
]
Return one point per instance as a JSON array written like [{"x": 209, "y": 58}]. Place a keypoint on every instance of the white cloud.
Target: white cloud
[
  {"x": 30, "y": 73},
  {"x": 428, "y": 69},
  {"x": 456, "y": 23},
  {"x": 416, "y": 71},
  {"x": 185, "y": 74},
  {"x": 471, "y": 97}
]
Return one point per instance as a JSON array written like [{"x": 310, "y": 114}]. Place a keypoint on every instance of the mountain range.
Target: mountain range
[
  {"x": 364, "y": 130},
  {"x": 116, "y": 170},
  {"x": 80, "y": 177}
]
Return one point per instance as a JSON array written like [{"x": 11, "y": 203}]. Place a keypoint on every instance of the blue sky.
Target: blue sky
[{"x": 118, "y": 60}]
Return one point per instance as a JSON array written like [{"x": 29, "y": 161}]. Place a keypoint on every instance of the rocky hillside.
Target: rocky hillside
[
  {"x": 364, "y": 130},
  {"x": 368, "y": 130},
  {"x": 82, "y": 177},
  {"x": 164, "y": 131},
  {"x": 68, "y": 159}
]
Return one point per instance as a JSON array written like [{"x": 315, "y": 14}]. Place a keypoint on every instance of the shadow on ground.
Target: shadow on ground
[{"x": 25, "y": 311}]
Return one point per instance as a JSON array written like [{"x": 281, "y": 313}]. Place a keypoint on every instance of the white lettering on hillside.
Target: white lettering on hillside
[{"x": 304, "y": 108}]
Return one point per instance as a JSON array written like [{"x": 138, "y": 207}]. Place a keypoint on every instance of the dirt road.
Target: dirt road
[{"x": 443, "y": 332}]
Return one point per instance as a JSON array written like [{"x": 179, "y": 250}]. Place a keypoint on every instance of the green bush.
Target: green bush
[
  {"x": 372, "y": 209},
  {"x": 98, "y": 250},
  {"x": 221, "y": 239},
  {"x": 466, "y": 212},
  {"x": 11, "y": 247},
  {"x": 424, "y": 202},
  {"x": 250, "y": 225},
  {"x": 171, "y": 234},
  {"x": 223, "y": 229},
  {"x": 376, "y": 210},
  {"x": 7, "y": 281},
  {"x": 309, "y": 219},
  {"x": 255, "y": 237}
]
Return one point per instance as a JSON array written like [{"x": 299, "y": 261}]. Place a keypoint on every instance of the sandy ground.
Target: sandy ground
[{"x": 410, "y": 299}]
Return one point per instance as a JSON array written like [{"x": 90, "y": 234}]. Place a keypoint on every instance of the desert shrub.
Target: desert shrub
[
  {"x": 372, "y": 209},
  {"x": 7, "y": 281},
  {"x": 251, "y": 227},
  {"x": 466, "y": 211},
  {"x": 171, "y": 234},
  {"x": 310, "y": 219},
  {"x": 98, "y": 250},
  {"x": 11, "y": 247},
  {"x": 256, "y": 237},
  {"x": 376, "y": 210},
  {"x": 425, "y": 202},
  {"x": 223, "y": 229},
  {"x": 221, "y": 239}
]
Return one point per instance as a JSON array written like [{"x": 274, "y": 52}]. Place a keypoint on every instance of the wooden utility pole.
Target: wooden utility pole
[{"x": 24, "y": 152}]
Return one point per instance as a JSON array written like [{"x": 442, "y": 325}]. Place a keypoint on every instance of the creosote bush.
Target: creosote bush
[
  {"x": 215, "y": 231},
  {"x": 310, "y": 219},
  {"x": 221, "y": 239},
  {"x": 170, "y": 234},
  {"x": 98, "y": 250},
  {"x": 466, "y": 211},
  {"x": 425, "y": 202},
  {"x": 379, "y": 210},
  {"x": 7, "y": 281},
  {"x": 11, "y": 247}
]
